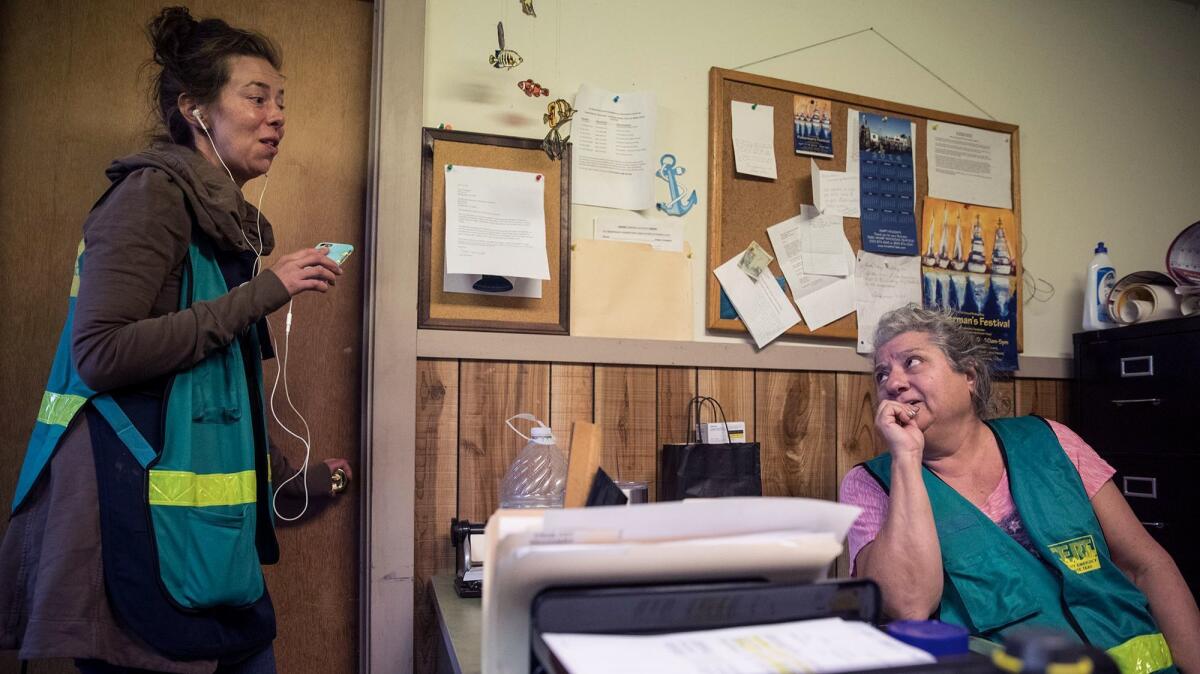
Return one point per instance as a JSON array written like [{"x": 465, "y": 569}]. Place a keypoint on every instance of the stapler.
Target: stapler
[{"x": 467, "y": 539}]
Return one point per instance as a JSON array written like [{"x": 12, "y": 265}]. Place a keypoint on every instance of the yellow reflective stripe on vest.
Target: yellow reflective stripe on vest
[
  {"x": 1142, "y": 655},
  {"x": 57, "y": 409},
  {"x": 75, "y": 276},
  {"x": 181, "y": 488}
]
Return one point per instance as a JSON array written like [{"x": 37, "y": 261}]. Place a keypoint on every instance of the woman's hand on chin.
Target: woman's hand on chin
[{"x": 897, "y": 424}]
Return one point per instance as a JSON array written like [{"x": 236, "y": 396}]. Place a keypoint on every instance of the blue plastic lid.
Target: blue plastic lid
[
  {"x": 932, "y": 636},
  {"x": 1100, "y": 248}
]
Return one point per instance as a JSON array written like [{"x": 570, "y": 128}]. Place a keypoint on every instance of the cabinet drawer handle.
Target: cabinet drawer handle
[
  {"x": 1141, "y": 487},
  {"x": 1137, "y": 366},
  {"x": 1136, "y": 401},
  {"x": 1155, "y": 525}
]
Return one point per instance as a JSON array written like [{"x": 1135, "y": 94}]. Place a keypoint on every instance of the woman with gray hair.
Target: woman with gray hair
[{"x": 1001, "y": 524}]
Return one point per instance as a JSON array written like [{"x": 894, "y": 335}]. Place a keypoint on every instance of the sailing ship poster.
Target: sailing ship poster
[
  {"x": 887, "y": 184},
  {"x": 813, "y": 131},
  {"x": 969, "y": 266}
]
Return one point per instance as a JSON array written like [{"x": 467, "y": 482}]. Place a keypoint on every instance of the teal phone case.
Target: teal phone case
[{"x": 338, "y": 252}]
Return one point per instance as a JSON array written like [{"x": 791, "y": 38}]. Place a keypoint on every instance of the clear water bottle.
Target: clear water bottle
[{"x": 537, "y": 478}]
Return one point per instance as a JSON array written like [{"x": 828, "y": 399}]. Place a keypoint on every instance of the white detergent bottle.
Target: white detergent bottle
[{"x": 1099, "y": 283}]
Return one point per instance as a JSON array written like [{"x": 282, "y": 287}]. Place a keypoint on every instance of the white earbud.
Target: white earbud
[{"x": 196, "y": 114}]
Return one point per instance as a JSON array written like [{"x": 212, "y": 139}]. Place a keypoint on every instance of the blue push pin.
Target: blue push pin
[{"x": 616, "y": 99}]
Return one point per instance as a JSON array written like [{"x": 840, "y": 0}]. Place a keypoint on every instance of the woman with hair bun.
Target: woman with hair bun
[
  {"x": 1004, "y": 524},
  {"x": 144, "y": 507}
]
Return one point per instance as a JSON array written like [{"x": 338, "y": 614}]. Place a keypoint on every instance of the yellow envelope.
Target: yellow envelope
[{"x": 630, "y": 290}]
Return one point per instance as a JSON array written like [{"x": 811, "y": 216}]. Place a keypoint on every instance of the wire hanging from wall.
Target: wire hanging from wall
[
  {"x": 1035, "y": 288},
  {"x": 881, "y": 36}
]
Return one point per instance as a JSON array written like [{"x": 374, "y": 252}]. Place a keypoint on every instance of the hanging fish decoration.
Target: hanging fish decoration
[
  {"x": 558, "y": 113},
  {"x": 527, "y": 8},
  {"x": 532, "y": 89},
  {"x": 504, "y": 58}
]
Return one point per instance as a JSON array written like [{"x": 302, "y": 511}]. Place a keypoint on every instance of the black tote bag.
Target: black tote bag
[{"x": 708, "y": 470}]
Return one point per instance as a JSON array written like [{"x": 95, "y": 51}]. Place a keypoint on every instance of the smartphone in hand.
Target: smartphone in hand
[{"x": 338, "y": 252}]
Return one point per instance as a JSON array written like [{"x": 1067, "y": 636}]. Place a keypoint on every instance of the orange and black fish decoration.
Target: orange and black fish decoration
[{"x": 532, "y": 89}]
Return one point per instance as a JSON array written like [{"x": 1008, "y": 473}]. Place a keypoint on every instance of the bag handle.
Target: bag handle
[
  {"x": 528, "y": 417},
  {"x": 697, "y": 403}
]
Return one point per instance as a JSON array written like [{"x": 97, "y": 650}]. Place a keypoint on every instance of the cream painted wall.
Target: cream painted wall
[{"x": 1106, "y": 93}]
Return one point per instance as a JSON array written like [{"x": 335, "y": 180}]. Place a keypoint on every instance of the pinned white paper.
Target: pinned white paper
[
  {"x": 836, "y": 192},
  {"x": 821, "y": 299},
  {"x": 495, "y": 222},
  {"x": 464, "y": 283},
  {"x": 969, "y": 165},
  {"x": 612, "y": 135},
  {"x": 760, "y": 303},
  {"x": 810, "y": 243},
  {"x": 753, "y": 139},
  {"x": 883, "y": 283}
]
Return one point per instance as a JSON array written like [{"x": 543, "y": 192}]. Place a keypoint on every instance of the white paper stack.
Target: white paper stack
[{"x": 825, "y": 645}]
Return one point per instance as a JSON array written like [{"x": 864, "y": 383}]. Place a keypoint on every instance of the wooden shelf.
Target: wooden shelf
[{"x": 778, "y": 356}]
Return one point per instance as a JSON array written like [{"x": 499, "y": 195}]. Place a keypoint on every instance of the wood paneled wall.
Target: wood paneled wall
[{"x": 812, "y": 427}]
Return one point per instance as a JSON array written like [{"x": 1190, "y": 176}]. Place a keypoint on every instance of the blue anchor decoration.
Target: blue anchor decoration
[{"x": 679, "y": 204}]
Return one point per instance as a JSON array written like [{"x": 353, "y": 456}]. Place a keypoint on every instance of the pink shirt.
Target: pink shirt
[{"x": 860, "y": 489}]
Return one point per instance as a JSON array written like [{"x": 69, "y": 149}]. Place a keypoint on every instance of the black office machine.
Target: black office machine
[
  {"x": 662, "y": 609},
  {"x": 467, "y": 539}
]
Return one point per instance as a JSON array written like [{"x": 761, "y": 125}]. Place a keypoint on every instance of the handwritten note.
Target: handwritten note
[
  {"x": 754, "y": 139},
  {"x": 821, "y": 299},
  {"x": 835, "y": 192},
  {"x": 810, "y": 243},
  {"x": 884, "y": 282}
]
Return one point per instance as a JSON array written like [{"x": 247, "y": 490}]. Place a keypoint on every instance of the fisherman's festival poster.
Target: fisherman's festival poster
[
  {"x": 812, "y": 120},
  {"x": 887, "y": 184},
  {"x": 969, "y": 266}
]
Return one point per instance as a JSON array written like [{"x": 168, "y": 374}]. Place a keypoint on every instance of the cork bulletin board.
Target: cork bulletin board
[
  {"x": 742, "y": 207},
  {"x": 437, "y": 308}
]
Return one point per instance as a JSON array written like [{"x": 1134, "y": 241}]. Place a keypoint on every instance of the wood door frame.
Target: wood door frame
[{"x": 390, "y": 338}]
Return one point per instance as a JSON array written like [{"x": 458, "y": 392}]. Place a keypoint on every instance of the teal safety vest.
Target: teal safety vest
[
  {"x": 993, "y": 585},
  {"x": 203, "y": 487}
]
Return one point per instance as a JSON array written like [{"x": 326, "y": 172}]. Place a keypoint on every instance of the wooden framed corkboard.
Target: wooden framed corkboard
[
  {"x": 741, "y": 208},
  {"x": 436, "y": 308}
]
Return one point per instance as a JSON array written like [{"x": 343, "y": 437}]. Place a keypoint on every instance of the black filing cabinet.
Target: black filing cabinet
[{"x": 1137, "y": 403}]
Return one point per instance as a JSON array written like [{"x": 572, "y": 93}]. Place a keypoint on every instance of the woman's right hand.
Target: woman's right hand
[
  {"x": 897, "y": 424},
  {"x": 306, "y": 269}
]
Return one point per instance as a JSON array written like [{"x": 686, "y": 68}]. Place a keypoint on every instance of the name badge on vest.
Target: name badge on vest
[{"x": 1078, "y": 554}]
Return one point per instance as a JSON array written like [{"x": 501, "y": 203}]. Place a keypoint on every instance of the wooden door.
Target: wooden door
[{"x": 71, "y": 100}]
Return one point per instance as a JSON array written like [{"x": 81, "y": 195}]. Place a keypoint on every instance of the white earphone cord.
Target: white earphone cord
[{"x": 306, "y": 440}]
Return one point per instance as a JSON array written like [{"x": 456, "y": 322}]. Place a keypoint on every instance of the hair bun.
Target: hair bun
[{"x": 170, "y": 32}]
